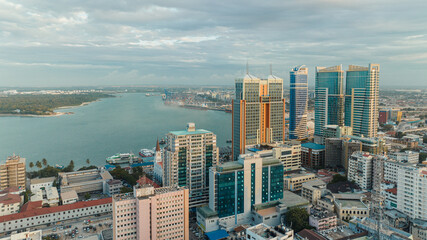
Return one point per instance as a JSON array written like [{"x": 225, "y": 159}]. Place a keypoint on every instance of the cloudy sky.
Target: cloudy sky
[{"x": 113, "y": 42}]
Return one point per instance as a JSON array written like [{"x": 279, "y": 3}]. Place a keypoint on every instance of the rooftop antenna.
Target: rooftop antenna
[
  {"x": 271, "y": 69},
  {"x": 247, "y": 67}
]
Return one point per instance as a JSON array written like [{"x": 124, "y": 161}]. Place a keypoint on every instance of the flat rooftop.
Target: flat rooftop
[
  {"x": 266, "y": 232},
  {"x": 349, "y": 203},
  {"x": 291, "y": 199},
  {"x": 42, "y": 180},
  {"x": 314, "y": 146},
  {"x": 185, "y": 132}
]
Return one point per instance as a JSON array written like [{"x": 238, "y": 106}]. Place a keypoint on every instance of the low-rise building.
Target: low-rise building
[
  {"x": 48, "y": 195},
  {"x": 350, "y": 205},
  {"x": 326, "y": 202},
  {"x": 322, "y": 219},
  {"x": 386, "y": 232},
  {"x": 32, "y": 217},
  {"x": 265, "y": 232},
  {"x": 10, "y": 204},
  {"x": 419, "y": 229},
  {"x": 313, "y": 190},
  {"x": 93, "y": 180},
  {"x": 28, "y": 235},
  {"x": 293, "y": 182},
  {"x": 39, "y": 183},
  {"x": 113, "y": 187},
  {"x": 405, "y": 157},
  {"x": 69, "y": 197}
]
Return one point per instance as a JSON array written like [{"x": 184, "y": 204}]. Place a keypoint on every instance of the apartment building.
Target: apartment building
[
  {"x": 322, "y": 219},
  {"x": 12, "y": 173},
  {"x": 293, "y": 182},
  {"x": 360, "y": 169},
  {"x": 405, "y": 157},
  {"x": 412, "y": 191},
  {"x": 313, "y": 190}
]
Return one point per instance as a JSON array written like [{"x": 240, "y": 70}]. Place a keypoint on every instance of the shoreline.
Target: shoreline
[{"x": 54, "y": 113}]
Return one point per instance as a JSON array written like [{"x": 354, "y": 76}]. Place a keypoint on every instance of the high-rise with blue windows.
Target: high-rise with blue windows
[
  {"x": 329, "y": 99},
  {"x": 298, "y": 103},
  {"x": 361, "y": 99}
]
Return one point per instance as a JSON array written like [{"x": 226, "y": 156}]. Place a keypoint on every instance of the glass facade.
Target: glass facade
[
  {"x": 298, "y": 103},
  {"x": 265, "y": 184},
  {"x": 209, "y": 160},
  {"x": 225, "y": 194},
  {"x": 252, "y": 184},
  {"x": 276, "y": 182},
  {"x": 182, "y": 167}
]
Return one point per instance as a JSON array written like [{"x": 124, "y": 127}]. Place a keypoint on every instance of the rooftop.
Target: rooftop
[
  {"x": 310, "y": 235},
  {"x": 62, "y": 208},
  {"x": 268, "y": 232},
  {"x": 314, "y": 146},
  {"x": 291, "y": 200},
  {"x": 42, "y": 180},
  {"x": 10, "y": 199},
  {"x": 229, "y": 166},
  {"x": 346, "y": 203},
  {"x": 207, "y": 212},
  {"x": 296, "y": 175},
  {"x": 186, "y": 132},
  {"x": 13, "y": 189},
  {"x": 69, "y": 195}
]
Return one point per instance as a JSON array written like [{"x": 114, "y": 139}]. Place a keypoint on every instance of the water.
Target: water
[{"x": 126, "y": 123}]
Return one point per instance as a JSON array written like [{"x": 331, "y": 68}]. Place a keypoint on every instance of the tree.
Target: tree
[
  {"x": 425, "y": 139},
  {"x": 338, "y": 178},
  {"x": 125, "y": 190},
  {"x": 87, "y": 196},
  {"x": 87, "y": 168},
  {"x": 297, "y": 219},
  {"x": 70, "y": 167},
  {"x": 388, "y": 127},
  {"x": 44, "y": 161},
  {"x": 31, "y": 164},
  {"x": 39, "y": 164},
  {"x": 400, "y": 134},
  {"x": 422, "y": 157},
  {"x": 88, "y": 161}
]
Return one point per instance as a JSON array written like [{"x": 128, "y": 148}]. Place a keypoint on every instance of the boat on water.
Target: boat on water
[
  {"x": 162, "y": 141},
  {"x": 59, "y": 166},
  {"x": 146, "y": 153},
  {"x": 122, "y": 158},
  {"x": 147, "y": 94}
]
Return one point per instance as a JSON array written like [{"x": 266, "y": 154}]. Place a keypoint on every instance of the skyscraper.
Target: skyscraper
[
  {"x": 258, "y": 112},
  {"x": 298, "y": 103},
  {"x": 329, "y": 99},
  {"x": 361, "y": 99},
  {"x": 188, "y": 156}
]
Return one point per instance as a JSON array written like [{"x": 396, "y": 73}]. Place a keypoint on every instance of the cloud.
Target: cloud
[{"x": 193, "y": 40}]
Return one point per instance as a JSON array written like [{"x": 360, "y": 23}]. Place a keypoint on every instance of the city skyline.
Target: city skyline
[{"x": 75, "y": 44}]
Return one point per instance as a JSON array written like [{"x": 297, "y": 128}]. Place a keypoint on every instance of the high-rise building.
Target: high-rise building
[
  {"x": 333, "y": 131},
  {"x": 361, "y": 99},
  {"x": 411, "y": 192},
  {"x": 329, "y": 99},
  {"x": 150, "y": 213},
  {"x": 188, "y": 156},
  {"x": 348, "y": 148},
  {"x": 333, "y": 152},
  {"x": 258, "y": 112},
  {"x": 313, "y": 155},
  {"x": 360, "y": 168},
  {"x": 12, "y": 173},
  {"x": 236, "y": 186},
  {"x": 298, "y": 103}
]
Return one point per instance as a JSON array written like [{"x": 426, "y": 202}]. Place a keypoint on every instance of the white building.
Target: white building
[
  {"x": 43, "y": 216},
  {"x": 10, "y": 204},
  {"x": 84, "y": 181},
  {"x": 187, "y": 158},
  {"x": 412, "y": 192},
  {"x": 360, "y": 169},
  {"x": 69, "y": 197},
  {"x": 313, "y": 190},
  {"x": 48, "y": 196},
  {"x": 158, "y": 165},
  {"x": 405, "y": 157},
  {"x": 265, "y": 232},
  {"x": 33, "y": 235},
  {"x": 38, "y": 183}
]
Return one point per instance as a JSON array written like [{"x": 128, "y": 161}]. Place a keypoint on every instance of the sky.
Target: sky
[{"x": 198, "y": 42}]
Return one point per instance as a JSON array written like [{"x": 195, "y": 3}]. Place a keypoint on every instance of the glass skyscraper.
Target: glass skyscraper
[
  {"x": 258, "y": 112},
  {"x": 329, "y": 99},
  {"x": 361, "y": 99},
  {"x": 298, "y": 102}
]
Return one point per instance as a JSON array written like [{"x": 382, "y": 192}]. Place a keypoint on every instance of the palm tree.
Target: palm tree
[
  {"x": 72, "y": 163},
  {"x": 39, "y": 164},
  {"x": 88, "y": 161},
  {"x": 31, "y": 164},
  {"x": 44, "y": 162}
]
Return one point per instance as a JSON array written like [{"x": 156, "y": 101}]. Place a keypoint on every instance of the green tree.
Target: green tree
[
  {"x": 44, "y": 161},
  {"x": 87, "y": 196},
  {"x": 88, "y": 161},
  {"x": 425, "y": 139},
  {"x": 297, "y": 219},
  {"x": 388, "y": 127},
  {"x": 400, "y": 135},
  {"x": 27, "y": 195},
  {"x": 31, "y": 164},
  {"x": 338, "y": 178},
  {"x": 38, "y": 164},
  {"x": 125, "y": 190},
  {"x": 422, "y": 157}
]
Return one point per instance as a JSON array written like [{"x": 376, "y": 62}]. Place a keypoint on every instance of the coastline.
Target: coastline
[{"x": 53, "y": 114}]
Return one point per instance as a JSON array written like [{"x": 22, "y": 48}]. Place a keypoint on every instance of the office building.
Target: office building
[
  {"x": 113, "y": 186},
  {"x": 158, "y": 164},
  {"x": 360, "y": 167},
  {"x": 93, "y": 180},
  {"x": 329, "y": 98},
  {"x": 298, "y": 103},
  {"x": 361, "y": 99},
  {"x": 312, "y": 155},
  {"x": 333, "y": 152},
  {"x": 333, "y": 131},
  {"x": 258, "y": 112},
  {"x": 411, "y": 191},
  {"x": 188, "y": 156},
  {"x": 12, "y": 173},
  {"x": 151, "y": 213},
  {"x": 265, "y": 232},
  {"x": 348, "y": 148},
  {"x": 293, "y": 182},
  {"x": 39, "y": 183},
  {"x": 235, "y": 187}
]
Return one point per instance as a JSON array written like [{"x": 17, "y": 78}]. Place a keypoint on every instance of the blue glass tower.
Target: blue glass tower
[
  {"x": 329, "y": 99},
  {"x": 298, "y": 102}
]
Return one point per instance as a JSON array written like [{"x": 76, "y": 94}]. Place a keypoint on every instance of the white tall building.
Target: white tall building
[
  {"x": 360, "y": 169},
  {"x": 187, "y": 158},
  {"x": 412, "y": 191},
  {"x": 158, "y": 164}
]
